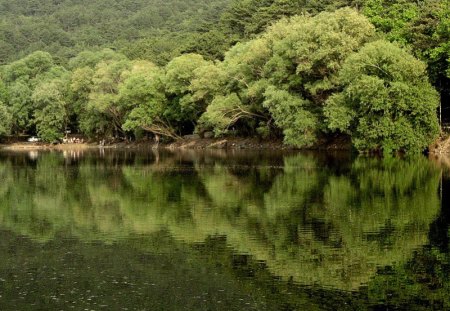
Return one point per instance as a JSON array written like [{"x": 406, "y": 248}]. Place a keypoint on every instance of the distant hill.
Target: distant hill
[{"x": 66, "y": 27}]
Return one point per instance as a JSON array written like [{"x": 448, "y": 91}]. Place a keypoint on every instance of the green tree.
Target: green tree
[
  {"x": 223, "y": 113},
  {"x": 283, "y": 77},
  {"x": 423, "y": 27},
  {"x": 21, "y": 106},
  {"x": 308, "y": 52},
  {"x": 92, "y": 120},
  {"x": 237, "y": 90},
  {"x": 182, "y": 107},
  {"x": 246, "y": 18},
  {"x": 28, "y": 68},
  {"x": 5, "y": 120},
  {"x": 144, "y": 91},
  {"x": 92, "y": 58},
  {"x": 21, "y": 78},
  {"x": 5, "y": 114},
  {"x": 51, "y": 114},
  {"x": 387, "y": 102},
  {"x": 104, "y": 98},
  {"x": 298, "y": 124}
]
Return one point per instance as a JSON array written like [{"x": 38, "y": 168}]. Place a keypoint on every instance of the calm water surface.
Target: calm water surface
[{"x": 120, "y": 230}]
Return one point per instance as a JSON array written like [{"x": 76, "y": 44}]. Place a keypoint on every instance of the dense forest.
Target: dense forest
[{"x": 372, "y": 70}]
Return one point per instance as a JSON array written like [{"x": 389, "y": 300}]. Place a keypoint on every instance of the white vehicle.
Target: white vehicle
[{"x": 33, "y": 139}]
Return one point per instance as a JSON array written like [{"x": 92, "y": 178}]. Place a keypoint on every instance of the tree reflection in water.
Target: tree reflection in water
[{"x": 313, "y": 220}]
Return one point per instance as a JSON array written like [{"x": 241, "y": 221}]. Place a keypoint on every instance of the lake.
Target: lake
[{"x": 216, "y": 230}]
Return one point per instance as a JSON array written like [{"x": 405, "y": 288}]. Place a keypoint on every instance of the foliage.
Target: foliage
[
  {"x": 298, "y": 124},
  {"x": 20, "y": 106},
  {"x": 423, "y": 27},
  {"x": 144, "y": 90},
  {"x": 182, "y": 107},
  {"x": 91, "y": 59},
  {"x": 224, "y": 112},
  {"x": 387, "y": 102},
  {"x": 250, "y": 17},
  {"x": 51, "y": 114},
  {"x": 5, "y": 120},
  {"x": 94, "y": 91},
  {"x": 5, "y": 114},
  {"x": 163, "y": 101},
  {"x": 104, "y": 96},
  {"x": 22, "y": 79},
  {"x": 287, "y": 73},
  {"x": 65, "y": 28}
]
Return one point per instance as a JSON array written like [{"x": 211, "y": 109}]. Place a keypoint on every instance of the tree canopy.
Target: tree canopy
[{"x": 387, "y": 102}]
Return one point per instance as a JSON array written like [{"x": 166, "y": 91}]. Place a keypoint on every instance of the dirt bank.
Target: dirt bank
[
  {"x": 213, "y": 143},
  {"x": 441, "y": 146},
  {"x": 42, "y": 146}
]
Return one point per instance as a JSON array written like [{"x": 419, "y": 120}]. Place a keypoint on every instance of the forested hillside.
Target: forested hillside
[
  {"x": 295, "y": 69},
  {"x": 151, "y": 29},
  {"x": 66, "y": 27}
]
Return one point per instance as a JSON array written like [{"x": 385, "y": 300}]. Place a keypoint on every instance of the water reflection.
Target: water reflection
[{"x": 313, "y": 220}]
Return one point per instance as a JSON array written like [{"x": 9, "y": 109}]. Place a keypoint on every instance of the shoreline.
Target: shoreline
[{"x": 229, "y": 143}]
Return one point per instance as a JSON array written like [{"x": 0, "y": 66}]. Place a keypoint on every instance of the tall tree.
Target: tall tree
[{"x": 387, "y": 102}]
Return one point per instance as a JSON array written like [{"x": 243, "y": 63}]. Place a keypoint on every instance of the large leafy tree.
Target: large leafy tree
[
  {"x": 104, "y": 98},
  {"x": 51, "y": 114},
  {"x": 307, "y": 55},
  {"x": 22, "y": 78},
  {"x": 283, "y": 77},
  {"x": 387, "y": 102},
  {"x": 237, "y": 90},
  {"x": 92, "y": 117},
  {"x": 144, "y": 90},
  {"x": 89, "y": 122},
  {"x": 168, "y": 102},
  {"x": 423, "y": 27},
  {"x": 182, "y": 107},
  {"x": 5, "y": 114}
]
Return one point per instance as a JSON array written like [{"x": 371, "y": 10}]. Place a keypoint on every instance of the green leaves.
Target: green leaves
[
  {"x": 143, "y": 90},
  {"x": 34, "y": 96},
  {"x": 180, "y": 72},
  {"x": 5, "y": 120},
  {"x": 50, "y": 116},
  {"x": 291, "y": 113},
  {"x": 422, "y": 26},
  {"x": 66, "y": 28},
  {"x": 387, "y": 103},
  {"x": 287, "y": 73},
  {"x": 222, "y": 113},
  {"x": 28, "y": 68}
]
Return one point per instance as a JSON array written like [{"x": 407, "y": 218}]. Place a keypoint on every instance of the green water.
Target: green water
[{"x": 121, "y": 230}]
